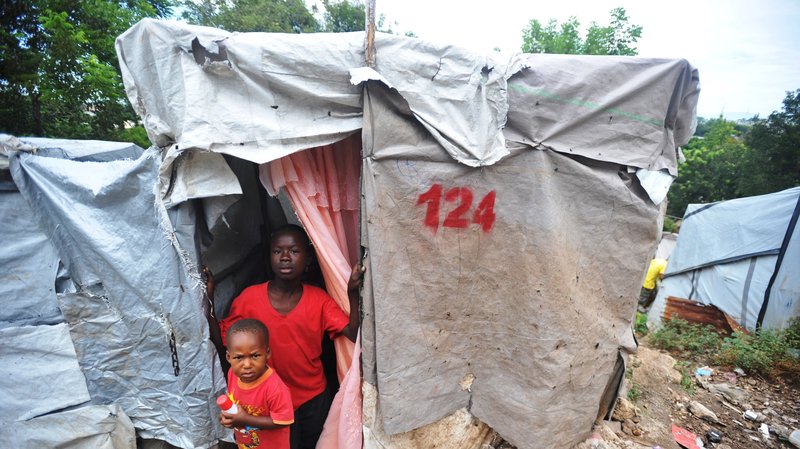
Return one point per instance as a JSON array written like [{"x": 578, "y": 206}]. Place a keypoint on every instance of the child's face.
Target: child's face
[
  {"x": 289, "y": 256},
  {"x": 248, "y": 354}
]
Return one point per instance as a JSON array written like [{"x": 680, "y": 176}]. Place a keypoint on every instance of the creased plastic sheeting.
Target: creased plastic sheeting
[
  {"x": 273, "y": 95},
  {"x": 536, "y": 307},
  {"x": 95, "y": 426},
  {"x": 630, "y": 111},
  {"x": 28, "y": 265},
  {"x": 133, "y": 294},
  {"x": 458, "y": 96},
  {"x": 655, "y": 183},
  {"x": 34, "y": 357},
  {"x": 79, "y": 150},
  {"x": 199, "y": 175}
]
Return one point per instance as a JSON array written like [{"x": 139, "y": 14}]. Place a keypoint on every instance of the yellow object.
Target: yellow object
[{"x": 654, "y": 272}]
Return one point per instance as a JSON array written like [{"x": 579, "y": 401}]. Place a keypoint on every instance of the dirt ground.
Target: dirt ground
[{"x": 664, "y": 397}]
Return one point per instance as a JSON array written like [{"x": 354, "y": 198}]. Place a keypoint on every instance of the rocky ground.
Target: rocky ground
[{"x": 747, "y": 411}]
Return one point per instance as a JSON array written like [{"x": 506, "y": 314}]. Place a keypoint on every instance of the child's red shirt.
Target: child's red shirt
[
  {"x": 267, "y": 396},
  {"x": 295, "y": 339}
]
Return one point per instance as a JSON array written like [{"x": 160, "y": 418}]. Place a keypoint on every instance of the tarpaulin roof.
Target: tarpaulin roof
[{"x": 274, "y": 94}]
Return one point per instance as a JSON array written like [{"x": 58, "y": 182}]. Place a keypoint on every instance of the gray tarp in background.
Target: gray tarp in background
[
  {"x": 727, "y": 253},
  {"x": 548, "y": 294},
  {"x": 84, "y": 150},
  {"x": 29, "y": 261},
  {"x": 44, "y": 396},
  {"x": 131, "y": 288},
  {"x": 39, "y": 373},
  {"x": 93, "y": 426}
]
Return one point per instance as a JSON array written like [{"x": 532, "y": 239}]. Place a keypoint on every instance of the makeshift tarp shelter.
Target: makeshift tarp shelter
[
  {"x": 507, "y": 208},
  {"x": 742, "y": 256},
  {"x": 79, "y": 353}
]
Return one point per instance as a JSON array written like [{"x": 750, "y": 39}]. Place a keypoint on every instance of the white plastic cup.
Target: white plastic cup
[
  {"x": 794, "y": 438},
  {"x": 226, "y": 405}
]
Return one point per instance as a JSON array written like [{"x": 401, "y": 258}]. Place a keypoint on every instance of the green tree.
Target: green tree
[
  {"x": 273, "y": 16},
  {"x": 284, "y": 16},
  {"x": 60, "y": 74},
  {"x": 617, "y": 38},
  {"x": 712, "y": 167},
  {"x": 772, "y": 161},
  {"x": 343, "y": 16}
]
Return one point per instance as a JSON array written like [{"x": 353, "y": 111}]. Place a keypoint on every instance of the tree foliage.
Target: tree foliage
[
  {"x": 60, "y": 75},
  {"x": 711, "y": 168},
  {"x": 617, "y": 38},
  {"x": 272, "y": 16},
  {"x": 281, "y": 16},
  {"x": 727, "y": 160},
  {"x": 773, "y": 160},
  {"x": 343, "y": 16}
]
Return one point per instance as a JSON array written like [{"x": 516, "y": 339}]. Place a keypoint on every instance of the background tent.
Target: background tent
[
  {"x": 742, "y": 256},
  {"x": 46, "y": 398},
  {"x": 100, "y": 323}
]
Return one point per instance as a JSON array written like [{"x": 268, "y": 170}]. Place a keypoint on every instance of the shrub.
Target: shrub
[
  {"x": 766, "y": 352},
  {"x": 793, "y": 333},
  {"x": 678, "y": 335},
  {"x": 640, "y": 326},
  {"x": 757, "y": 352},
  {"x": 634, "y": 389},
  {"x": 669, "y": 224},
  {"x": 687, "y": 381}
]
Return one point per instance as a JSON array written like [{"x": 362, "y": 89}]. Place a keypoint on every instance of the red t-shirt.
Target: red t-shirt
[
  {"x": 296, "y": 338},
  {"x": 267, "y": 396}
]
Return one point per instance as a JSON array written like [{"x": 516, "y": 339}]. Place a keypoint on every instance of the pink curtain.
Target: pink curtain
[{"x": 323, "y": 186}]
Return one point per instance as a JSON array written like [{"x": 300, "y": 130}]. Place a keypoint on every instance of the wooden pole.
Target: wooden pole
[{"x": 369, "y": 50}]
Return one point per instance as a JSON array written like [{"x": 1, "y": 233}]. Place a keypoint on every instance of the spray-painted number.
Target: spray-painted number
[{"x": 458, "y": 217}]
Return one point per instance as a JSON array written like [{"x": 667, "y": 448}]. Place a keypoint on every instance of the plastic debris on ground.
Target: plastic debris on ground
[
  {"x": 685, "y": 438},
  {"x": 703, "y": 371}
]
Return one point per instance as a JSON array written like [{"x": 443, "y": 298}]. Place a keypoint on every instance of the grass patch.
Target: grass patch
[
  {"x": 640, "y": 325},
  {"x": 634, "y": 389},
  {"x": 687, "y": 381},
  {"x": 761, "y": 352}
]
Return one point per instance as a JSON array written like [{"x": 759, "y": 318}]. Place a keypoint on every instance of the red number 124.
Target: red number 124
[{"x": 458, "y": 217}]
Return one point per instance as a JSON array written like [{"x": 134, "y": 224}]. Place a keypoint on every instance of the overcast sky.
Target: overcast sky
[{"x": 747, "y": 52}]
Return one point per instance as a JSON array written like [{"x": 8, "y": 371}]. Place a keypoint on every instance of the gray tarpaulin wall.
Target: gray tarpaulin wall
[
  {"x": 742, "y": 256},
  {"x": 102, "y": 324},
  {"x": 514, "y": 299}
]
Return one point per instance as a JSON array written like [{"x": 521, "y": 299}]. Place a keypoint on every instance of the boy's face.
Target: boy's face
[
  {"x": 248, "y": 354},
  {"x": 289, "y": 256}
]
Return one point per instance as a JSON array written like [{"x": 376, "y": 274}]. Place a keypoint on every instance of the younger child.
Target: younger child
[{"x": 264, "y": 403}]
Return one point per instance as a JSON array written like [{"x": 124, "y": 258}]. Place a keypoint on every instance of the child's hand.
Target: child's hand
[
  {"x": 356, "y": 277},
  {"x": 231, "y": 420}
]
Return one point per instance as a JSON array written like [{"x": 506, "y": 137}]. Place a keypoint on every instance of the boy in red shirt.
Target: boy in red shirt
[{"x": 264, "y": 403}]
